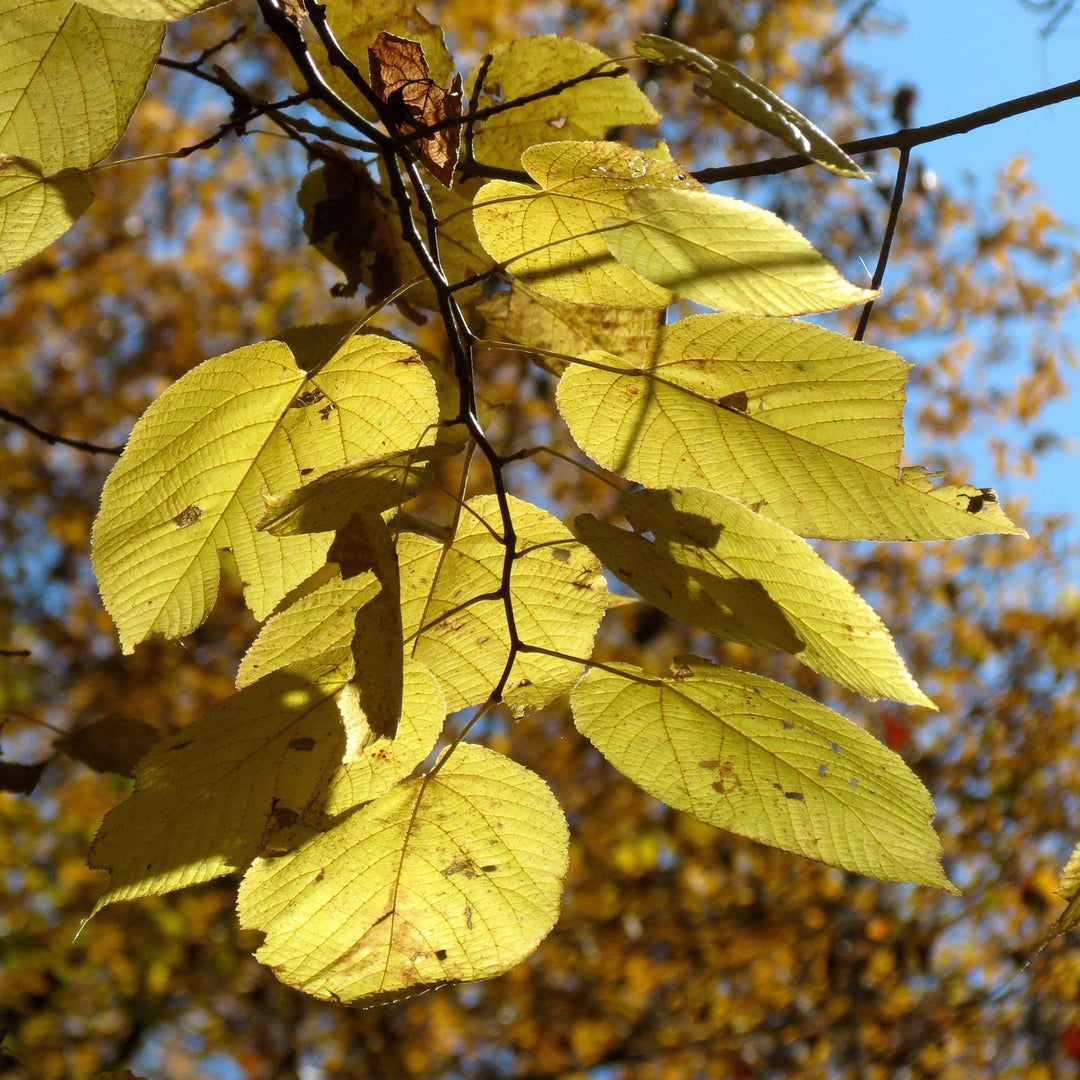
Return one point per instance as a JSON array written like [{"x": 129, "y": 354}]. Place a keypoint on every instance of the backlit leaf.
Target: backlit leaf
[
  {"x": 207, "y": 798},
  {"x": 35, "y": 210},
  {"x": 558, "y": 593},
  {"x": 164, "y": 10},
  {"x": 717, "y": 565},
  {"x": 725, "y": 253},
  {"x": 798, "y": 423},
  {"x": 192, "y": 478},
  {"x": 552, "y": 239},
  {"x": 70, "y": 78},
  {"x": 447, "y": 879},
  {"x": 587, "y": 110},
  {"x": 748, "y": 755},
  {"x": 375, "y": 758},
  {"x": 751, "y": 100}
]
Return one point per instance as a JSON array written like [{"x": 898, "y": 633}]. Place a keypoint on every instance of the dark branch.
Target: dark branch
[
  {"x": 53, "y": 440},
  {"x": 906, "y": 138},
  {"x": 886, "y": 242}
]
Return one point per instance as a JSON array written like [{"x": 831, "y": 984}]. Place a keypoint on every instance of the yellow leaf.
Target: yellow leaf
[
  {"x": 558, "y": 592},
  {"x": 443, "y": 879},
  {"x": 751, "y": 100},
  {"x": 70, "y": 78},
  {"x": 748, "y": 755},
  {"x": 163, "y": 10},
  {"x": 192, "y": 478},
  {"x": 552, "y": 239},
  {"x": 584, "y": 111},
  {"x": 798, "y": 423},
  {"x": 722, "y": 568},
  {"x": 36, "y": 209},
  {"x": 377, "y": 758},
  {"x": 725, "y": 254},
  {"x": 541, "y": 322},
  {"x": 207, "y": 798}
]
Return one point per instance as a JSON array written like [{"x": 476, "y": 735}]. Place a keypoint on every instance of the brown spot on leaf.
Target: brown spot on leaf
[
  {"x": 440, "y": 954},
  {"x": 308, "y": 397},
  {"x": 736, "y": 402},
  {"x": 303, "y": 743},
  {"x": 188, "y": 516},
  {"x": 326, "y": 410}
]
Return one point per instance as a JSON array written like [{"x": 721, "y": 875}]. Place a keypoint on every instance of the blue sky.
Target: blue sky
[{"x": 967, "y": 55}]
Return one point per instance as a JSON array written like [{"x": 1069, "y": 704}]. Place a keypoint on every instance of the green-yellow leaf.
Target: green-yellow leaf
[
  {"x": 800, "y": 424},
  {"x": 377, "y": 758},
  {"x": 192, "y": 478},
  {"x": 552, "y": 239},
  {"x": 36, "y": 209},
  {"x": 748, "y": 755},
  {"x": 70, "y": 78},
  {"x": 725, "y": 254},
  {"x": 206, "y": 799},
  {"x": 751, "y": 100},
  {"x": 443, "y": 879},
  {"x": 718, "y": 566},
  {"x": 558, "y": 592},
  {"x": 587, "y": 110}
]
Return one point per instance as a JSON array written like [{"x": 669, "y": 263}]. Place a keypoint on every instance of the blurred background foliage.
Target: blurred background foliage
[{"x": 682, "y": 951}]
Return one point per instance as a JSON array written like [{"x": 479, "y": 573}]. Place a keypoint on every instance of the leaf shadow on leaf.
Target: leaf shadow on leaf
[{"x": 738, "y": 609}]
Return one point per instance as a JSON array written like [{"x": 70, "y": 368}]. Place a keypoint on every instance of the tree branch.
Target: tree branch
[
  {"x": 906, "y": 138},
  {"x": 53, "y": 440}
]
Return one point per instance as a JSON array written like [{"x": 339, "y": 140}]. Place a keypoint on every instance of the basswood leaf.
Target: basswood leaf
[
  {"x": 207, "y": 798},
  {"x": 1068, "y": 888},
  {"x": 751, "y": 100},
  {"x": 400, "y": 78},
  {"x": 552, "y": 239},
  {"x": 376, "y": 758},
  {"x": 163, "y": 10},
  {"x": 542, "y": 322},
  {"x": 192, "y": 477},
  {"x": 748, "y": 755},
  {"x": 558, "y": 591},
  {"x": 36, "y": 209},
  {"x": 724, "y": 253},
  {"x": 357, "y": 23},
  {"x": 718, "y": 566},
  {"x": 326, "y": 503},
  {"x": 116, "y": 744},
  {"x": 798, "y": 423},
  {"x": 447, "y": 878},
  {"x": 585, "y": 111},
  {"x": 70, "y": 78}
]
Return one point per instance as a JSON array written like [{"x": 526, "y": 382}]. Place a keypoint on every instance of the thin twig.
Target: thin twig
[
  {"x": 904, "y": 138},
  {"x": 54, "y": 440},
  {"x": 887, "y": 239}
]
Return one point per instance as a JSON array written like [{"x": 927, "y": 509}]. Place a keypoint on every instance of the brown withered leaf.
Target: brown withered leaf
[
  {"x": 19, "y": 779},
  {"x": 400, "y": 76},
  {"x": 348, "y": 219},
  {"x": 115, "y": 744}
]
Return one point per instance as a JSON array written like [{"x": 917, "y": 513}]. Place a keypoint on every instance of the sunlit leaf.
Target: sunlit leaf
[
  {"x": 748, "y": 755},
  {"x": 375, "y": 758},
  {"x": 717, "y": 565},
  {"x": 587, "y": 110},
  {"x": 70, "y": 78},
  {"x": 552, "y": 239},
  {"x": 724, "y": 253},
  {"x": 751, "y": 100},
  {"x": 542, "y": 322},
  {"x": 206, "y": 799},
  {"x": 557, "y": 588},
  {"x": 193, "y": 475},
  {"x": 163, "y": 10},
  {"x": 35, "y": 209},
  {"x": 798, "y": 423},
  {"x": 446, "y": 879}
]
